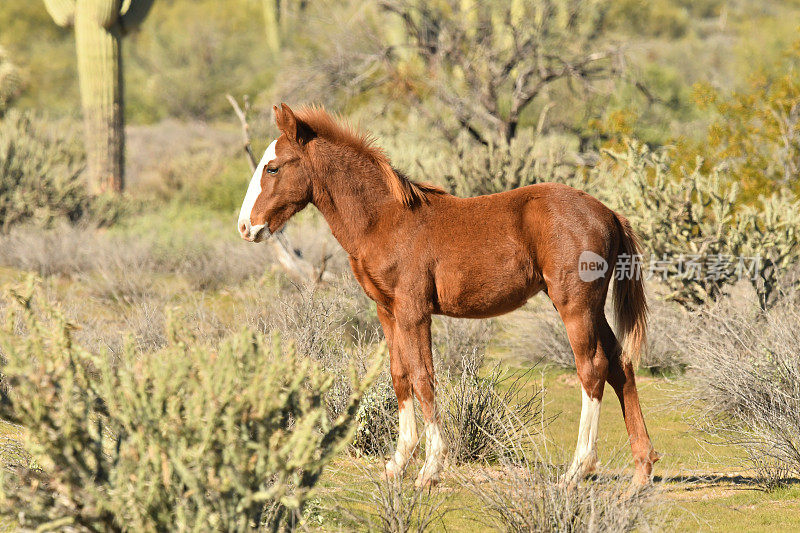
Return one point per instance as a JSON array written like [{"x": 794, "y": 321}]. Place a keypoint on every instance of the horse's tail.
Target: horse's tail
[{"x": 630, "y": 303}]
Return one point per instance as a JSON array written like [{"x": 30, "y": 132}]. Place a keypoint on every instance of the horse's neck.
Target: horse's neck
[{"x": 351, "y": 204}]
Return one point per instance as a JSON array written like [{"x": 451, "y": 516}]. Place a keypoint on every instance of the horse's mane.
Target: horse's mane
[{"x": 408, "y": 192}]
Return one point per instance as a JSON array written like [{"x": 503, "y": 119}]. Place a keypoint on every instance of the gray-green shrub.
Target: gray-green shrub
[
  {"x": 696, "y": 215},
  {"x": 746, "y": 384},
  {"x": 472, "y": 169},
  {"x": 319, "y": 322},
  {"x": 10, "y": 81},
  {"x": 40, "y": 172},
  {"x": 181, "y": 439},
  {"x": 772, "y": 231}
]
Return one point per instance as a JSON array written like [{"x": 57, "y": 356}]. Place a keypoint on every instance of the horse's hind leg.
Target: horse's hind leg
[
  {"x": 591, "y": 362},
  {"x": 622, "y": 378},
  {"x": 407, "y": 429}
]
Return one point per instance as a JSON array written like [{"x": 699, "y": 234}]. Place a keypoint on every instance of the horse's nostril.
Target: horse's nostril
[{"x": 242, "y": 227}]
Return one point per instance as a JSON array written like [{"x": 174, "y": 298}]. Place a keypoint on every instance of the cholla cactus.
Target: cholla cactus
[
  {"x": 695, "y": 219},
  {"x": 773, "y": 234},
  {"x": 99, "y": 28},
  {"x": 10, "y": 81},
  {"x": 689, "y": 218},
  {"x": 186, "y": 439},
  {"x": 474, "y": 169},
  {"x": 41, "y": 172}
]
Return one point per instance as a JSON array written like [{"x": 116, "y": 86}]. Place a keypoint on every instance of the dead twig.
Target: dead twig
[{"x": 291, "y": 261}]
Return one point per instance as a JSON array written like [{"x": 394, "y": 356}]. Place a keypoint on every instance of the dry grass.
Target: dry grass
[
  {"x": 366, "y": 501},
  {"x": 746, "y": 376},
  {"x": 461, "y": 342},
  {"x": 117, "y": 263},
  {"x": 526, "y": 491}
]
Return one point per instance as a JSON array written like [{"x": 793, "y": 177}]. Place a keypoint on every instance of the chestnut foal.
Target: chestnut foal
[{"x": 418, "y": 251}]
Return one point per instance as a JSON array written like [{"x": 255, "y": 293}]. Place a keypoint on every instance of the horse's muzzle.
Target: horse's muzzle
[{"x": 253, "y": 233}]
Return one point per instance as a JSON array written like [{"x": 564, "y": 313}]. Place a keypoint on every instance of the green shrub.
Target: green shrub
[
  {"x": 181, "y": 439},
  {"x": 695, "y": 218},
  {"x": 376, "y": 420},
  {"x": 10, "y": 81},
  {"x": 40, "y": 173},
  {"x": 472, "y": 169}
]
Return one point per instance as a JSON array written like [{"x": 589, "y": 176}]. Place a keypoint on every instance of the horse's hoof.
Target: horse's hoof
[
  {"x": 392, "y": 471},
  {"x": 640, "y": 480},
  {"x": 426, "y": 483}
]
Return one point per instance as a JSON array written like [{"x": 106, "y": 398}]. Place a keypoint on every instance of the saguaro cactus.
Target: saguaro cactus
[
  {"x": 99, "y": 28},
  {"x": 278, "y": 17}
]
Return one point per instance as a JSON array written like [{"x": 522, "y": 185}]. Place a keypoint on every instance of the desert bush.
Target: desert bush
[
  {"x": 700, "y": 242},
  {"x": 689, "y": 218},
  {"x": 459, "y": 342},
  {"x": 488, "y": 64},
  {"x": 746, "y": 374},
  {"x": 527, "y": 492},
  {"x": 376, "y": 420},
  {"x": 233, "y": 438},
  {"x": 65, "y": 249},
  {"x": 539, "y": 335},
  {"x": 654, "y": 18},
  {"x": 40, "y": 175},
  {"x": 666, "y": 350},
  {"x": 756, "y": 128},
  {"x": 318, "y": 321},
  {"x": 476, "y": 410},
  {"x": 183, "y": 42},
  {"x": 120, "y": 266},
  {"x": 472, "y": 169},
  {"x": 772, "y": 233},
  {"x": 10, "y": 81},
  {"x": 373, "y": 503},
  {"x": 528, "y": 495}
]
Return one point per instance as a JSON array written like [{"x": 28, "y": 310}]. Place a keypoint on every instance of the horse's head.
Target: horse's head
[{"x": 281, "y": 184}]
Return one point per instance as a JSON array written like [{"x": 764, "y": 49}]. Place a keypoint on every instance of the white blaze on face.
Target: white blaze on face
[{"x": 254, "y": 189}]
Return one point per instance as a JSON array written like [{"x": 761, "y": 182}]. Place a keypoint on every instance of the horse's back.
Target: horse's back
[{"x": 491, "y": 253}]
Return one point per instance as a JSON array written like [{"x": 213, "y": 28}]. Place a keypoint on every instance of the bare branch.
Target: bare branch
[
  {"x": 488, "y": 64},
  {"x": 284, "y": 252}
]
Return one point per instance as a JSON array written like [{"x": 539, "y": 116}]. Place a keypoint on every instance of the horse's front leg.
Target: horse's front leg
[
  {"x": 413, "y": 338},
  {"x": 407, "y": 431}
]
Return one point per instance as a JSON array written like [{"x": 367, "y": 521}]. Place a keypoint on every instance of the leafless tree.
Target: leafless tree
[{"x": 488, "y": 61}]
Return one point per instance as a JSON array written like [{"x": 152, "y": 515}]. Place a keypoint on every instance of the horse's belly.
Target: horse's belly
[{"x": 479, "y": 293}]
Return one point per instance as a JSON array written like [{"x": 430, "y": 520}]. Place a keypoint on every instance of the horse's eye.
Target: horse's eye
[{"x": 272, "y": 170}]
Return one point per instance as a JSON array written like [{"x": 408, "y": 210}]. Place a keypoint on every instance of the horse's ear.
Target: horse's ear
[
  {"x": 286, "y": 121},
  {"x": 296, "y": 131}
]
